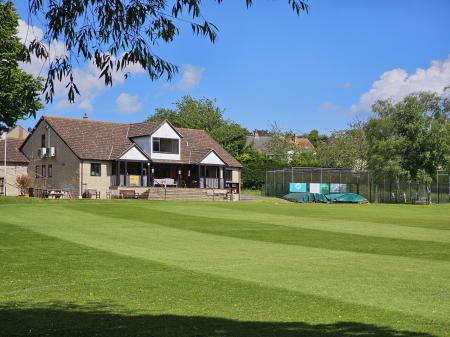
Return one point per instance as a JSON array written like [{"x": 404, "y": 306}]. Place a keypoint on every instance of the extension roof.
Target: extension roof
[{"x": 13, "y": 153}]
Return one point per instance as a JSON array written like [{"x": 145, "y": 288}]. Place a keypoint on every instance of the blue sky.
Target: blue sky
[{"x": 321, "y": 70}]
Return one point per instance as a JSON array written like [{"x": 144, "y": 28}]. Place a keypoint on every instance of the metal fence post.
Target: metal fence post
[{"x": 437, "y": 186}]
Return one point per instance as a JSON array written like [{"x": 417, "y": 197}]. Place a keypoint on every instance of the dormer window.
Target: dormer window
[{"x": 166, "y": 145}]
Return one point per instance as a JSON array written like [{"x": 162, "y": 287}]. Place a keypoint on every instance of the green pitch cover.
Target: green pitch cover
[
  {"x": 306, "y": 197},
  {"x": 346, "y": 198},
  {"x": 351, "y": 198}
]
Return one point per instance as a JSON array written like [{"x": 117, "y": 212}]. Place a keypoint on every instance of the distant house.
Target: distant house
[
  {"x": 301, "y": 143},
  {"x": 262, "y": 143},
  {"x": 78, "y": 155},
  {"x": 16, "y": 162}
]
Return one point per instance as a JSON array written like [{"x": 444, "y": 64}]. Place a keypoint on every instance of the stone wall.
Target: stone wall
[
  {"x": 65, "y": 164},
  {"x": 100, "y": 183},
  {"x": 12, "y": 172}
]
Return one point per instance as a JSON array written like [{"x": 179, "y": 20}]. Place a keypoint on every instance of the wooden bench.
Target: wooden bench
[
  {"x": 128, "y": 194},
  {"x": 420, "y": 201},
  {"x": 89, "y": 193},
  {"x": 164, "y": 182}
]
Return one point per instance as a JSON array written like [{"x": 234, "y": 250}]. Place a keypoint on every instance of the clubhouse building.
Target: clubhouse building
[{"x": 81, "y": 155}]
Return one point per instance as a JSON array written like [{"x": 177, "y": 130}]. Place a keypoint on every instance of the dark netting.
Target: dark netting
[{"x": 361, "y": 182}]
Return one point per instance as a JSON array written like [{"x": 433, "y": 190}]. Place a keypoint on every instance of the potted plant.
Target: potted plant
[{"x": 23, "y": 182}]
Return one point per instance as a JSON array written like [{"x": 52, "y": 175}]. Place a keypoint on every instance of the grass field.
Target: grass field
[{"x": 261, "y": 268}]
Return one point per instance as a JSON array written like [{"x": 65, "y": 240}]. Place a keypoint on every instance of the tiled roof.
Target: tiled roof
[
  {"x": 13, "y": 154},
  {"x": 92, "y": 139},
  {"x": 301, "y": 143},
  {"x": 196, "y": 144},
  {"x": 259, "y": 142},
  {"x": 108, "y": 141},
  {"x": 143, "y": 129}
]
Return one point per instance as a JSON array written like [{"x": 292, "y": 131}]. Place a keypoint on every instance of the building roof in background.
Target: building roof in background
[
  {"x": 13, "y": 153},
  {"x": 18, "y": 132},
  {"x": 108, "y": 141},
  {"x": 261, "y": 143},
  {"x": 302, "y": 143}
]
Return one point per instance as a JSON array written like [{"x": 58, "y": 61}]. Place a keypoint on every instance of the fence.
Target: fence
[{"x": 385, "y": 190}]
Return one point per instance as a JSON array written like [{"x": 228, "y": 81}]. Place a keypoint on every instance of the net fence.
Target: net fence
[{"x": 363, "y": 182}]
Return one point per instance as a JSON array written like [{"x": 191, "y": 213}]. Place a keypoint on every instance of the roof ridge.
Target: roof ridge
[{"x": 82, "y": 120}]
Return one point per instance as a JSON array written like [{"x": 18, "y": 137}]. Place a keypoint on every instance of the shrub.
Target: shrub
[{"x": 23, "y": 182}]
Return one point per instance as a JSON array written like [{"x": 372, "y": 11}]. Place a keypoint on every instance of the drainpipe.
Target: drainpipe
[{"x": 80, "y": 196}]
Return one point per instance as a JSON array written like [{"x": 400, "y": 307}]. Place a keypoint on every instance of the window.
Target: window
[
  {"x": 50, "y": 171},
  {"x": 165, "y": 145},
  {"x": 96, "y": 170},
  {"x": 42, "y": 140},
  {"x": 44, "y": 169},
  {"x": 36, "y": 171},
  {"x": 228, "y": 175}
]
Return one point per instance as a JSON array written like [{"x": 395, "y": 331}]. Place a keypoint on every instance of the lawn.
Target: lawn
[{"x": 250, "y": 269}]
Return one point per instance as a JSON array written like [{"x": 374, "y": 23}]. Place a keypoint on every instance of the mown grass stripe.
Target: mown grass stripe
[
  {"x": 135, "y": 303},
  {"x": 392, "y": 283},
  {"x": 260, "y": 230},
  {"x": 424, "y": 216}
]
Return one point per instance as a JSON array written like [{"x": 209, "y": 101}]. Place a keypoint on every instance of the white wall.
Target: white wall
[
  {"x": 164, "y": 131},
  {"x": 212, "y": 159},
  {"x": 133, "y": 154}
]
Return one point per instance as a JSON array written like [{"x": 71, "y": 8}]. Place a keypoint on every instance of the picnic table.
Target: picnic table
[{"x": 54, "y": 194}]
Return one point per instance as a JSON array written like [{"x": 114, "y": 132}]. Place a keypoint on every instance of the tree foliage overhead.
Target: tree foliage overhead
[
  {"x": 203, "y": 114},
  {"x": 19, "y": 91},
  {"x": 116, "y": 33}
]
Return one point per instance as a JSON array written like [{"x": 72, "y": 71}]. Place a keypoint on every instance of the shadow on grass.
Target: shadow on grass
[{"x": 62, "y": 320}]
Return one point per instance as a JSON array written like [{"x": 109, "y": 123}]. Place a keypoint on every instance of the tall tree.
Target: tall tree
[
  {"x": 204, "y": 114},
  {"x": 410, "y": 138},
  {"x": 19, "y": 91},
  {"x": 344, "y": 148},
  {"x": 279, "y": 146},
  {"x": 115, "y": 34}
]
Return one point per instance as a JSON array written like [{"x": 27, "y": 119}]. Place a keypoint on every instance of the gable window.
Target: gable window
[
  {"x": 42, "y": 140},
  {"x": 165, "y": 145},
  {"x": 96, "y": 170},
  {"x": 50, "y": 171}
]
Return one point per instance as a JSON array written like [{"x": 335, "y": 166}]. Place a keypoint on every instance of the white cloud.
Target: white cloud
[
  {"x": 347, "y": 85},
  {"x": 126, "y": 103},
  {"x": 192, "y": 75},
  {"x": 86, "y": 77},
  {"x": 328, "y": 106},
  {"x": 397, "y": 83}
]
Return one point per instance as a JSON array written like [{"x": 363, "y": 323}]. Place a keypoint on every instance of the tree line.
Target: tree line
[{"x": 409, "y": 139}]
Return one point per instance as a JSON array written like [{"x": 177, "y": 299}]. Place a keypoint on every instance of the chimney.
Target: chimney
[{"x": 85, "y": 115}]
